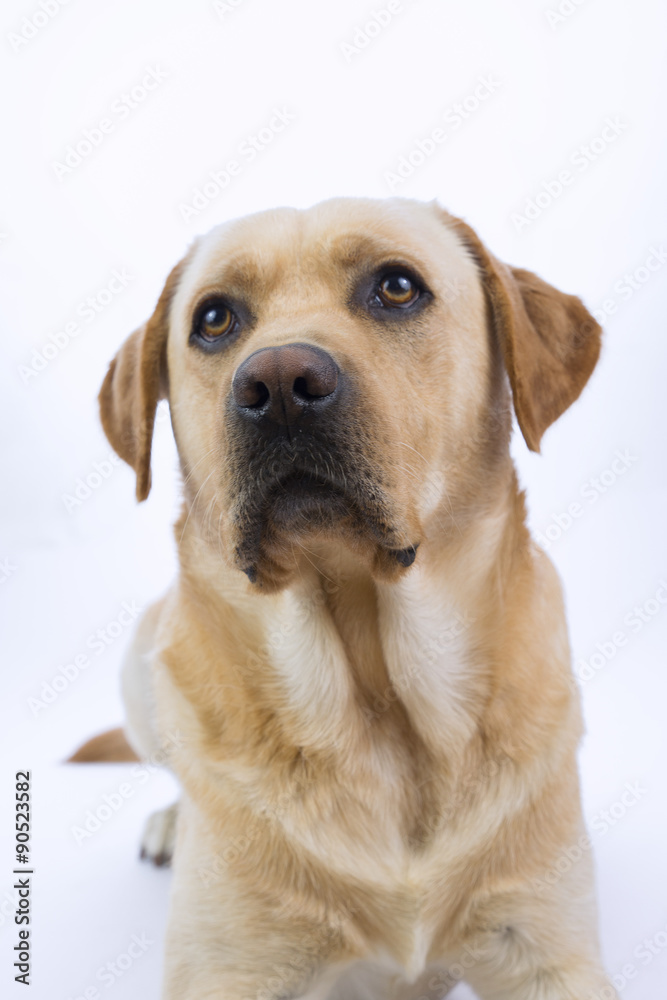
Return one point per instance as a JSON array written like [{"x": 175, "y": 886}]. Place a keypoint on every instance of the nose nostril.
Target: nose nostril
[
  {"x": 260, "y": 396},
  {"x": 317, "y": 381},
  {"x": 300, "y": 389},
  {"x": 250, "y": 394}
]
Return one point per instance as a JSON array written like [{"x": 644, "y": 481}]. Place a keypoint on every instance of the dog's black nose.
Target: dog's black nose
[{"x": 284, "y": 383}]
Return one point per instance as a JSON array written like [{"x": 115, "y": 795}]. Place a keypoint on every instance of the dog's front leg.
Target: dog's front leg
[
  {"x": 540, "y": 944},
  {"x": 231, "y": 935},
  {"x": 157, "y": 841},
  {"x": 575, "y": 978}
]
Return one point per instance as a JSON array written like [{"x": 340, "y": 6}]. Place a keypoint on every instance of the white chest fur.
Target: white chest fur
[{"x": 426, "y": 640}]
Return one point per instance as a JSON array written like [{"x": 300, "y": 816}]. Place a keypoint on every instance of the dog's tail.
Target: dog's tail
[{"x": 107, "y": 748}]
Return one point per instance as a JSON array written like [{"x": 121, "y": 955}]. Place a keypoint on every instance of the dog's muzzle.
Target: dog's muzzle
[{"x": 300, "y": 456}]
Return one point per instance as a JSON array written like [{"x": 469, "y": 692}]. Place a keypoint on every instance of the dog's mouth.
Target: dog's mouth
[
  {"x": 303, "y": 496},
  {"x": 300, "y": 500},
  {"x": 278, "y": 509}
]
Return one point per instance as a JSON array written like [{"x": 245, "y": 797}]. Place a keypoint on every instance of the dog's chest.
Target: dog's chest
[
  {"x": 343, "y": 671},
  {"x": 380, "y": 703},
  {"x": 380, "y": 850}
]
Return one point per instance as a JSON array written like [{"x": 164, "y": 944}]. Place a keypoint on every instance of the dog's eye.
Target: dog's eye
[
  {"x": 397, "y": 290},
  {"x": 216, "y": 321}
]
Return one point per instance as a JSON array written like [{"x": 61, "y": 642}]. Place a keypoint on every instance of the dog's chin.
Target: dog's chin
[{"x": 303, "y": 509}]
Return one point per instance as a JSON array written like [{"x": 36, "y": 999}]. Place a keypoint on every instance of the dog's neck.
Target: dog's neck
[{"x": 352, "y": 657}]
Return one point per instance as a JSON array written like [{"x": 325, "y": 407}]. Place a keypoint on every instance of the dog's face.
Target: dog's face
[
  {"x": 339, "y": 373},
  {"x": 320, "y": 366}
]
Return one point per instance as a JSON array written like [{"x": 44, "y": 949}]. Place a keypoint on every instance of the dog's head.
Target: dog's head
[{"x": 340, "y": 373}]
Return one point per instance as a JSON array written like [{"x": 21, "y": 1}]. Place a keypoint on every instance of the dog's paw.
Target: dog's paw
[{"x": 157, "y": 842}]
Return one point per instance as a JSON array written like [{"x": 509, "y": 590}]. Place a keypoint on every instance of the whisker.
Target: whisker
[
  {"x": 193, "y": 504},
  {"x": 196, "y": 465}
]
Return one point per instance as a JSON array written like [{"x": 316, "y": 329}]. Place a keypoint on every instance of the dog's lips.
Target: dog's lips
[
  {"x": 302, "y": 494},
  {"x": 301, "y": 497}
]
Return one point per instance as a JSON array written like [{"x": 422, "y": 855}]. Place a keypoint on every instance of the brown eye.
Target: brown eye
[
  {"x": 216, "y": 322},
  {"x": 397, "y": 290}
]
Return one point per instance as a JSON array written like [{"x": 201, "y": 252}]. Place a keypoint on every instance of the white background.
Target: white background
[{"x": 68, "y": 572}]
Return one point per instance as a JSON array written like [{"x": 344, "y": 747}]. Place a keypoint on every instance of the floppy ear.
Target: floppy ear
[
  {"x": 549, "y": 340},
  {"x": 137, "y": 379}
]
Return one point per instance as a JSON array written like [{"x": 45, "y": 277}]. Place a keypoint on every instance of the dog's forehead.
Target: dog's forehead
[{"x": 255, "y": 251}]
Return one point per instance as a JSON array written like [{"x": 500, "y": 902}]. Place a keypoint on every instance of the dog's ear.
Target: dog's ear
[
  {"x": 136, "y": 381},
  {"x": 549, "y": 341}
]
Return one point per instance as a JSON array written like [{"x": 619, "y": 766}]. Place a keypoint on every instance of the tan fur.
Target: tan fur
[
  {"x": 378, "y": 763},
  {"x": 108, "y": 748}
]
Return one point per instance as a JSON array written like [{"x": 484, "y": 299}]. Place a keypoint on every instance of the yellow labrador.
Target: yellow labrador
[{"x": 362, "y": 672}]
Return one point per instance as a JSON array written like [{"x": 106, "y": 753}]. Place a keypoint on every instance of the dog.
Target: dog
[{"x": 362, "y": 675}]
